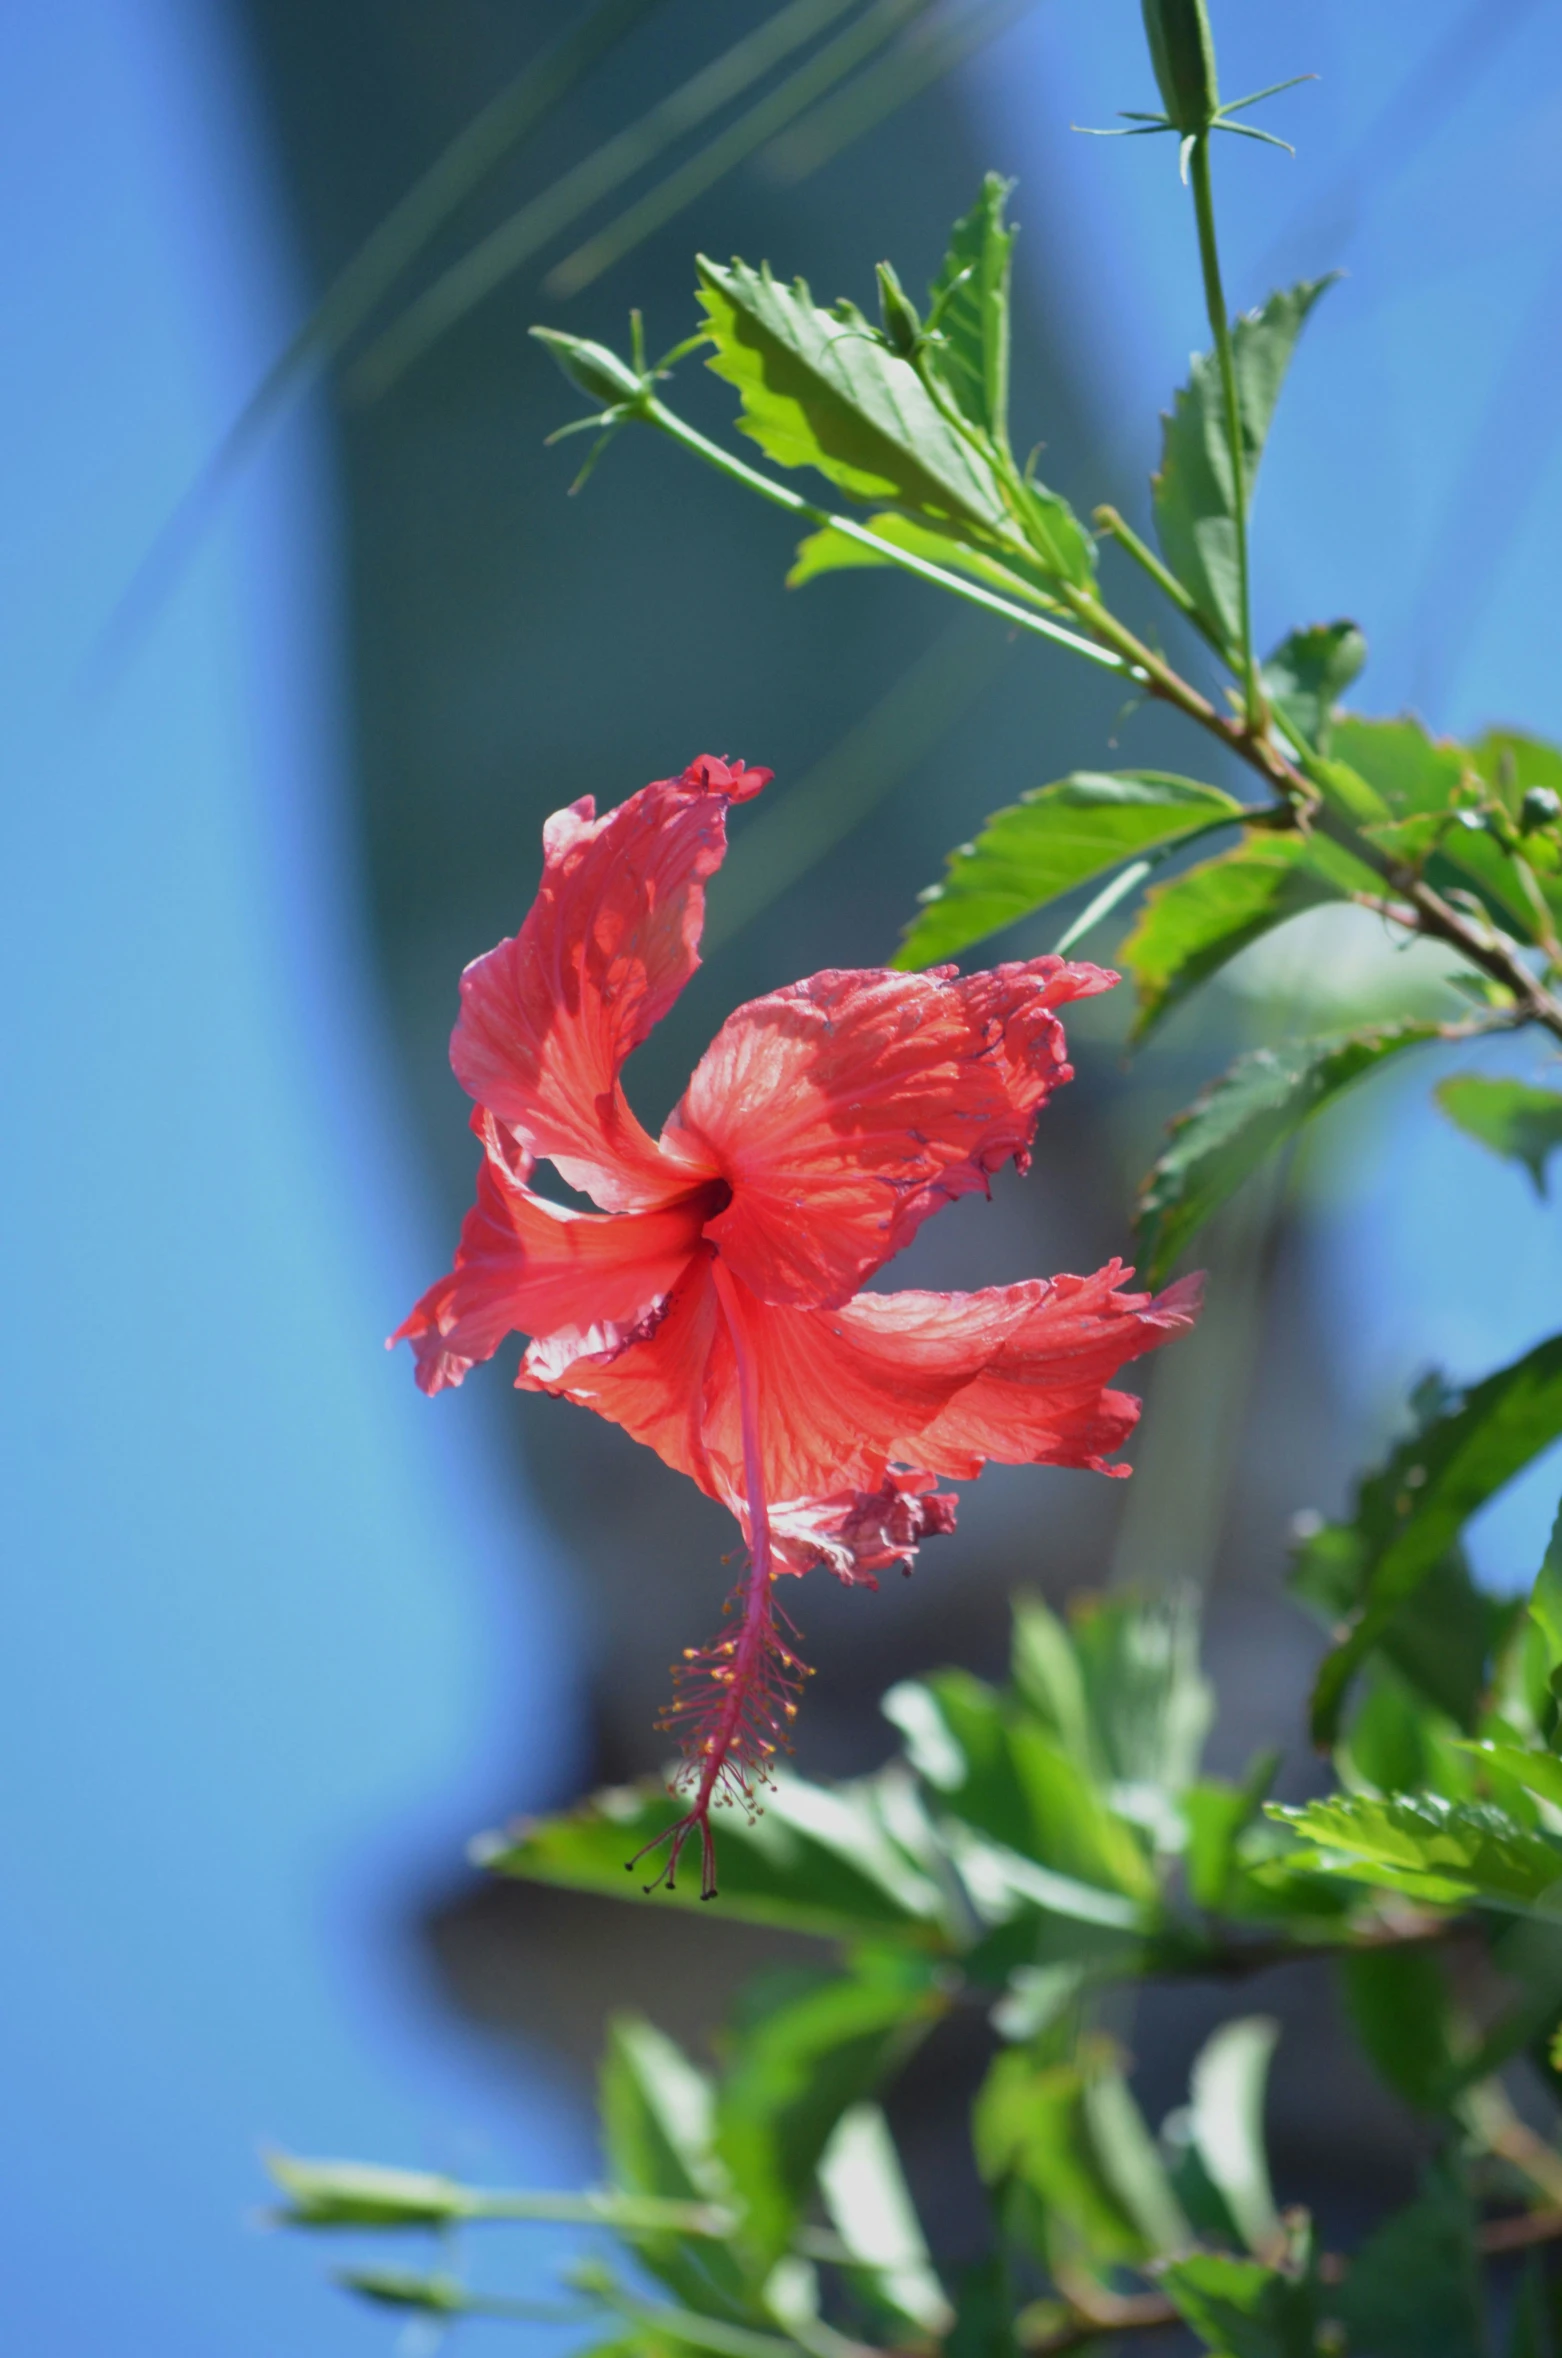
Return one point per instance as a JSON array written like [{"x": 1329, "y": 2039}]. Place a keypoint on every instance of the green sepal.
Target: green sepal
[{"x": 1182, "y": 51}]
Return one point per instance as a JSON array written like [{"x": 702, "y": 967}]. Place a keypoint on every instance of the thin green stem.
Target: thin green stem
[
  {"x": 1220, "y": 327},
  {"x": 779, "y": 495},
  {"x": 1108, "y": 520}
]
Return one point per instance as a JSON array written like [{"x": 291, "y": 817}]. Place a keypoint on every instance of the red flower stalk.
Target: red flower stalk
[{"x": 712, "y": 1307}]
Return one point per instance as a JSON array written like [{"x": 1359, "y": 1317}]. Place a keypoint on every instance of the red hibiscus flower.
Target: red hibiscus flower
[{"x": 712, "y": 1307}]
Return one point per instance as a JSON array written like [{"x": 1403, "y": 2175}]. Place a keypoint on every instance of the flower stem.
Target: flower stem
[
  {"x": 1220, "y": 327},
  {"x": 656, "y": 413}
]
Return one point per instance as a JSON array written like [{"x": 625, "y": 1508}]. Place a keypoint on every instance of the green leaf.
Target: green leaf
[
  {"x": 870, "y": 2207},
  {"x": 1008, "y": 1778},
  {"x": 1193, "y": 926},
  {"x": 1149, "y": 1702},
  {"x": 1052, "y": 839},
  {"x": 970, "y": 299},
  {"x": 815, "y": 2044},
  {"x": 658, "y": 2135},
  {"x": 1414, "y": 774},
  {"x": 829, "y": 551},
  {"x": 1194, "y": 492},
  {"x": 1537, "y": 1772},
  {"x": 1130, "y": 2160},
  {"x": 1441, "y": 1641},
  {"x": 817, "y": 1860},
  {"x": 1414, "y": 2288},
  {"x": 1240, "y": 1121},
  {"x": 1033, "y": 2142},
  {"x": 1240, "y": 2308},
  {"x": 1216, "y": 1816},
  {"x": 1512, "y": 763},
  {"x": 1446, "y": 1853},
  {"x": 820, "y": 389},
  {"x": 1510, "y": 1117},
  {"x": 1409, "y": 1513},
  {"x": 1307, "y": 675},
  {"x": 1226, "y": 2118},
  {"x": 1399, "y": 2003}
]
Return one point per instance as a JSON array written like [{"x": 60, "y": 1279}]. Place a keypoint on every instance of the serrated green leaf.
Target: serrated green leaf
[
  {"x": 1194, "y": 490},
  {"x": 1242, "y": 2309},
  {"x": 870, "y": 2207},
  {"x": 1241, "y": 1120},
  {"x": 1511, "y": 1117},
  {"x": 1414, "y": 2288},
  {"x": 1421, "y": 777},
  {"x": 1307, "y": 675},
  {"x": 1449, "y": 1854},
  {"x": 829, "y": 551},
  {"x": 1441, "y": 1641},
  {"x": 823, "y": 2043},
  {"x": 1054, "y": 838},
  {"x": 1511, "y": 762},
  {"x": 1226, "y": 2119},
  {"x": 1195, "y": 925},
  {"x": 1537, "y": 1772},
  {"x": 973, "y": 315},
  {"x": 820, "y": 390},
  {"x": 1410, "y": 1512},
  {"x": 817, "y": 1860}
]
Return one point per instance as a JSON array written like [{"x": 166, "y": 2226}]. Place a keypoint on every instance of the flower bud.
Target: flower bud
[
  {"x": 902, "y": 327},
  {"x": 597, "y": 372},
  {"x": 1541, "y": 807},
  {"x": 1182, "y": 51}
]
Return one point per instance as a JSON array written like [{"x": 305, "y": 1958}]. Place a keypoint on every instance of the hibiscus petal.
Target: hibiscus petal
[
  {"x": 660, "y": 1386},
  {"x": 548, "y": 1017},
  {"x": 585, "y": 1279},
  {"x": 844, "y": 1109}
]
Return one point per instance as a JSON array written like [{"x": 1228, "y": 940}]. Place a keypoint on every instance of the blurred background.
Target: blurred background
[{"x": 292, "y": 681}]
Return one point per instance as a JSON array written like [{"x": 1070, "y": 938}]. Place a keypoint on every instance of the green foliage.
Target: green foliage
[
  {"x": 818, "y": 1861},
  {"x": 830, "y": 551},
  {"x": 1195, "y": 494},
  {"x": 1450, "y": 1854},
  {"x": 1054, "y": 838},
  {"x": 1411, "y": 1510},
  {"x": 1240, "y": 1121},
  {"x": 1243, "y": 2309},
  {"x": 1510, "y": 1117},
  {"x": 822, "y": 389},
  {"x": 1413, "y": 2291},
  {"x": 1307, "y": 675},
  {"x": 1226, "y": 2120},
  {"x": 970, "y": 301}
]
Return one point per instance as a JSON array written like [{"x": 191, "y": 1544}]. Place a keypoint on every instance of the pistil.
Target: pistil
[{"x": 734, "y": 1699}]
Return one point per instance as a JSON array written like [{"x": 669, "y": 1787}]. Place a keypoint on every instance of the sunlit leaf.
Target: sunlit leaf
[
  {"x": 1054, "y": 838},
  {"x": 1033, "y": 2140},
  {"x": 974, "y": 319},
  {"x": 829, "y": 551},
  {"x": 820, "y": 389},
  {"x": 1226, "y": 2117},
  {"x": 1194, "y": 491},
  {"x": 817, "y": 1860},
  {"x": 1241, "y": 1120},
  {"x": 1511, "y": 1117},
  {"x": 1195, "y": 925},
  {"x": 1446, "y": 1853},
  {"x": 1411, "y": 1511},
  {"x": 870, "y": 2207},
  {"x": 1434, "y": 780}
]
